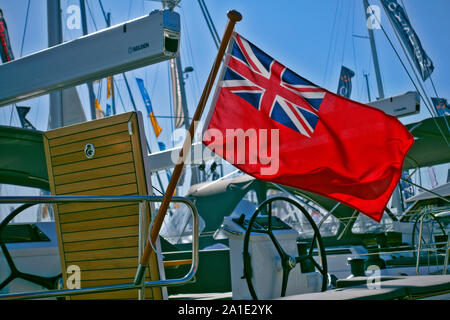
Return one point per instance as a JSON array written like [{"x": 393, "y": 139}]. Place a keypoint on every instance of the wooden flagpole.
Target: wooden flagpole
[{"x": 233, "y": 17}]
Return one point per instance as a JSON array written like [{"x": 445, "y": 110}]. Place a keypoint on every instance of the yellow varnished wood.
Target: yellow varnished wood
[
  {"x": 73, "y": 257},
  {"x": 103, "y": 141},
  {"x": 101, "y": 238},
  {"x": 99, "y": 213},
  {"x": 100, "y": 152},
  {"x": 93, "y": 164},
  {"x": 92, "y": 245},
  {"x": 100, "y": 224},
  {"x": 87, "y": 135},
  {"x": 93, "y": 174}
]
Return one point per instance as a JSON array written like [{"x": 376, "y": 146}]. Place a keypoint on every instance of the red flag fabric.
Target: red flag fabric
[{"x": 277, "y": 126}]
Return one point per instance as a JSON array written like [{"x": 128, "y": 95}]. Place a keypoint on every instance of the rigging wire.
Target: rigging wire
[
  {"x": 427, "y": 101},
  {"x": 210, "y": 24},
  {"x": 431, "y": 80},
  {"x": 332, "y": 41},
  {"x": 412, "y": 68},
  {"x": 354, "y": 50},
  {"x": 345, "y": 38},
  {"x": 92, "y": 16},
  {"x": 120, "y": 96},
  {"x": 21, "y": 52},
  {"x": 25, "y": 27},
  {"x": 103, "y": 10},
  {"x": 410, "y": 77},
  {"x": 190, "y": 55}
]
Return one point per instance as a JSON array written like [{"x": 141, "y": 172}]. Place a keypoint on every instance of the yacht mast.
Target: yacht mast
[
  {"x": 369, "y": 12},
  {"x": 178, "y": 81},
  {"x": 397, "y": 200},
  {"x": 54, "y": 30}
]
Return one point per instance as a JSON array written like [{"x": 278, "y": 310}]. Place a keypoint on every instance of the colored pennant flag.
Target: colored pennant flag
[
  {"x": 22, "y": 112},
  {"x": 277, "y": 126},
  {"x": 5, "y": 45},
  {"x": 399, "y": 19},
  {"x": 161, "y": 146},
  {"x": 148, "y": 105},
  {"x": 441, "y": 105},
  {"x": 108, "y": 110},
  {"x": 109, "y": 86},
  {"x": 98, "y": 110},
  {"x": 345, "y": 82}
]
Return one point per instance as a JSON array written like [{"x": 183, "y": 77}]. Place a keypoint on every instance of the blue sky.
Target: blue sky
[
  {"x": 313, "y": 38},
  {"x": 299, "y": 34}
]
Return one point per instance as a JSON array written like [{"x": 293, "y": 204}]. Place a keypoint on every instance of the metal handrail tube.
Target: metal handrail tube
[
  {"x": 69, "y": 199},
  {"x": 101, "y": 289},
  {"x": 419, "y": 245},
  {"x": 72, "y": 292}
]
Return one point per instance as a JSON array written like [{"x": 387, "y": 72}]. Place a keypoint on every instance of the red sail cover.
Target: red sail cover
[
  {"x": 279, "y": 127},
  {"x": 5, "y": 46}
]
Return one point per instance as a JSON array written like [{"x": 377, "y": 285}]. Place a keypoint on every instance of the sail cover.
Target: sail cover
[{"x": 176, "y": 95}]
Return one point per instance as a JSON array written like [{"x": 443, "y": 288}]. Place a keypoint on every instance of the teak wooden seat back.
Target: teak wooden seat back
[{"x": 102, "y": 239}]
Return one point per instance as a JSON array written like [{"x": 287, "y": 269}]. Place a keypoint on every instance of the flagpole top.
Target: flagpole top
[{"x": 234, "y": 15}]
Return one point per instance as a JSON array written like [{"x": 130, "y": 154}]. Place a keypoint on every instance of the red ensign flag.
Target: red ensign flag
[{"x": 277, "y": 126}]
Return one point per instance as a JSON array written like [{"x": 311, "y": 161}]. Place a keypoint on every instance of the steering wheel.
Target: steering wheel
[
  {"x": 287, "y": 262},
  {"x": 49, "y": 283}
]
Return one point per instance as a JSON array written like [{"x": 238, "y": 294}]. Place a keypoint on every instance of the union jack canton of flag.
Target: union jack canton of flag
[{"x": 272, "y": 88}]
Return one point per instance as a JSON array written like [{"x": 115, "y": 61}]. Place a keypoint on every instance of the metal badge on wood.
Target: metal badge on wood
[{"x": 89, "y": 150}]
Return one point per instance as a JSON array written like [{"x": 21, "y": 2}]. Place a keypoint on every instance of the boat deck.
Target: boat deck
[
  {"x": 434, "y": 287},
  {"x": 413, "y": 287}
]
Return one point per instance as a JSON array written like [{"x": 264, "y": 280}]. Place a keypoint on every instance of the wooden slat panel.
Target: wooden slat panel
[
  {"x": 108, "y": 263},
  {"x": 101, "y": 238},
  {"x": 94, "y": 173},
  {"x": 101, "y": 224},
  {"x": 93, "y": 163},
  {"x": 80, "y": 207},
  {"x": 87, "y": 126},
  {"x": 126, "y": 189},
  {"x": 86, "y": 135},
  {"x": 100, "y": 152},
  {"x": 97, "y": 142},
  {"x": 98, "y": 283},
  {"x": 122, "y": 295},
  {"x": 104, "y": 234},
  {"x": 74, "y": 257},
  {"x": 97, "y": 183},
  {"x": 101, "y": 244},
  {"x": 87, "y": 215},
  {"x": 108, "y": 282},
  {"x": 123, "y": 273}
]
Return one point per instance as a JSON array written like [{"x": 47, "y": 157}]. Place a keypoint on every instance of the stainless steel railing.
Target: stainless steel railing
[{"x": 101, "y": 289}]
